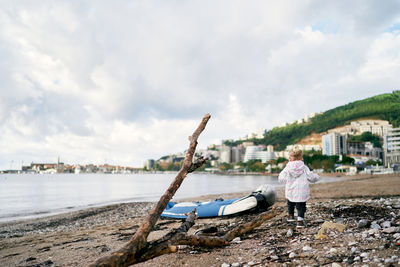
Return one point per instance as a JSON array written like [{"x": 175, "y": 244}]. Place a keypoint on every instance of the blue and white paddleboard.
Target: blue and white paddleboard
[{"x": 260, "y": 200}]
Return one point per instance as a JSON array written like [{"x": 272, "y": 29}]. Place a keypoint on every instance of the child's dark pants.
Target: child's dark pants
[{"x": 300, "y": 206}]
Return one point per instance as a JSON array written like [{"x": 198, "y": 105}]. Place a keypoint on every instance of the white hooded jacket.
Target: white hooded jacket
[{"x": 297, "y": 177}]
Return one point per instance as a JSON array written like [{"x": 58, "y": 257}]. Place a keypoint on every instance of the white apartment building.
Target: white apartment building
[
  {"x": 308, "y": 117},
  {"x": 225, "y": 154},
  {"x": 251, "y": 153},
  {"x": 256, "y": 152},
  {"x": 237, "y": 153},
  {"x": 305, "y": 147},
  {"x": 149, "y": 164},
  {"x": 378, "y": 127},
  {"x": 334, "y": 144},
  {"x": 391, "y": 147}
]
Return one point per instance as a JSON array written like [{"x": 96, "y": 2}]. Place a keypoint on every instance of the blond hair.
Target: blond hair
[{"x": 296, "y": 154}]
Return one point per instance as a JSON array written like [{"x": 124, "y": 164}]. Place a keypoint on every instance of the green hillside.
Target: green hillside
[{"x": 384, "y": 106}]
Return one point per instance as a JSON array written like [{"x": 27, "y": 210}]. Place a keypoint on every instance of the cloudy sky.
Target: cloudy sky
[{"x": 124, "y": 81}]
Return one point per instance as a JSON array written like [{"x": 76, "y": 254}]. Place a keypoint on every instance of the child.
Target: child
[{"x": 297, "y": 178}]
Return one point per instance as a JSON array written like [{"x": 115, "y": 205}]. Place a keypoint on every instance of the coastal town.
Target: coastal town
[
  {"x": 338, "y": 150},
  {"x": 352, "y": 155}
]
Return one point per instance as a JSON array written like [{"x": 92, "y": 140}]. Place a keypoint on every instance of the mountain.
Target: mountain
[{"x": 384, "y": 107}]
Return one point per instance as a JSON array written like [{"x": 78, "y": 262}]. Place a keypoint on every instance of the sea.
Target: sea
[{"x": 25, "y": 196}]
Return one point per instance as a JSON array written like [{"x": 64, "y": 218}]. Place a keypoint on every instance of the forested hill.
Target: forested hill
[{"x": 384, "y": 106}]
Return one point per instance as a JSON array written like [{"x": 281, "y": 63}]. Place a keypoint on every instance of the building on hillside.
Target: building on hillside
[
  {"x": 334, "y": 144},
  {"x": 225, "y": 154},
  {"x": 256, "y": 152},
  {"x": 257, "y": 135},
  {"x": 356, "y": 147},
  {"x": 377, "y": 127},
  {"x": 391, "y": 147},
  {"x": 246, "y": 144},
  {"x": 251, "y": 153},
  {"x": 304, "y": 147},
  {"x": 261, "y": 133},
  {"x": 365, "y": 149},
  {"x": 149, "y": 164},
  {"x": 237, "y": 153},
  {"x": 308, "y": 117},
  {"x": 375, "y": 152}
]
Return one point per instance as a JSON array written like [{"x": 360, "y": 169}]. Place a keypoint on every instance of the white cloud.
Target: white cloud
[
  {"x": 127, "y": 81},
  {"x": 383, "y": 59}
]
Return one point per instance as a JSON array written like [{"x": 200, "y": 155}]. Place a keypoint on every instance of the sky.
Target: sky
[{"x": 123, "y": 81}]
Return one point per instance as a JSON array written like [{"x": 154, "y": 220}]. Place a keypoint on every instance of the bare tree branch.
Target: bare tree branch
[
  {"x": 126, "y": 255},
  {"x": 168, "y": 244},
  {"x": 139, "y": 250}
]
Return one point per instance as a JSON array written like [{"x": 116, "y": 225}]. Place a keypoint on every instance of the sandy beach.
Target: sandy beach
[{"x": 367, "y": 206}]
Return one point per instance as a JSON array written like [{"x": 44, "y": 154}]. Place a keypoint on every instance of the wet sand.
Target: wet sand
[{"x": 78, "y": 238}]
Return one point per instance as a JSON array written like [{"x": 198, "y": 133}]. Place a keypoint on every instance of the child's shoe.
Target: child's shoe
[
  {"x": 301, "y": 224},
  {"x": 291, "y": 218}
]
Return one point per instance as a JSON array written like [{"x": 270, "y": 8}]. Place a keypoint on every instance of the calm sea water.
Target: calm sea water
[{"x": 35, "y": 195}]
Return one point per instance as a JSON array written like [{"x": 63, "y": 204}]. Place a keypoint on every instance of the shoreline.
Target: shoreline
[
  {"x": 17, "y": 217},
  {"x": 78, "y": 238},
  {"x": 86, "y": 211}
]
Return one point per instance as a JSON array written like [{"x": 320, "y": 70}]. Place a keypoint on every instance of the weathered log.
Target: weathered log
[
  {"x": 168, "y": 243},
  {"x": 247, "y": 227},
  {"x": 126, "y": 255},
  {"x": 180, "y": 237},
  {"x": 208, "y": 241},
  {"x": 201, "y": 241}
]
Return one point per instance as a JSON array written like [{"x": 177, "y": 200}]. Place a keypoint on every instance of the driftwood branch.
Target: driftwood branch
[
  {"x": 139, "y": 250},
  {"x": 126, "y": 255},
  {"x": 247, "y": 227},
  {"x": 169, "y": 243}
]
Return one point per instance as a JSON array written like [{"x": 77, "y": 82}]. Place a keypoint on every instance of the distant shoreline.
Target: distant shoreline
[{"x": 18, "y": 217}]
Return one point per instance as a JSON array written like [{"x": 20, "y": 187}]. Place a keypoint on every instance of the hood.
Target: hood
[{"x": 296, "y": 168}]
